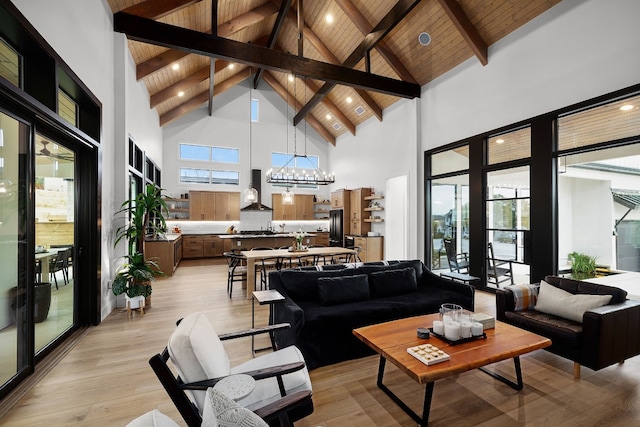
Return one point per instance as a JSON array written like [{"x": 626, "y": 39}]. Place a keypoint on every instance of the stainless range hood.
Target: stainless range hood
[{"x": 256, "y": 181}]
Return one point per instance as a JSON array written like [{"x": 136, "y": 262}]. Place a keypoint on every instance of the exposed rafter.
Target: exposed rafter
[
  {"x": 467, "y": 29},
  {"x": 201, "y": 98},
  {"x": 328, "y": 56},
  {"x": 149, "y": 31},
  {"x": 391, "y": 19},
  {"x": 226, "y": 29},
  {"x": 156, "y": 9},
  {"x": 383, "y": 48},
  {"x": 273, "y": 37},
  {"x": 312, "y": 121}
]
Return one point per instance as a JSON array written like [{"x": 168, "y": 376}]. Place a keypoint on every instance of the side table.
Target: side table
[
  {"x": 263, "y": 297},
  {"x": 460, "y": 277}
]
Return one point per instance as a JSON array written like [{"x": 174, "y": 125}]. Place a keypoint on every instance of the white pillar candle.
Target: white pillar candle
[
  {"x": 476, "y": 329},
  {"x": 452, "y": 330},
  {"x": 465, "y": 329},
  {"x": 438, "y": 327}
]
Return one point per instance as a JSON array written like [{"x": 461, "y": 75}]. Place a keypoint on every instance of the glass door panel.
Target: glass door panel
[
  {"x": 55, "y": 224},
  {"x": 449, "y": 219},
  {"x": 14, "y": 325}
]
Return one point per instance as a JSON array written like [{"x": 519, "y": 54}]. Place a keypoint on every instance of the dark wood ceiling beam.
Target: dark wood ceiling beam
[
  {"x": 158, "y": 33},
  {"x": 468, "y": 31},
  {"x": 312, "y": 121},
  {"x": 333, "y": 108},
  {"x": 156, "y": 9},
  {"x": 185, "y": 84},
  {"x": 390, "y": 20},
  {"x": 196, "y": 101},
  {"x": 226, "y": 29},
  {"x": 328, "y": 56},
  {"x": 383, "y": 48},
  {"x": 273, "y": 37}
]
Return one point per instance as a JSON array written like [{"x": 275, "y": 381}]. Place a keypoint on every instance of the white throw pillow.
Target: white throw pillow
[
  {"x": 552, "y": 300},
  {"x": 153, "y": 418},
  {"x": 221, "y": 411}
]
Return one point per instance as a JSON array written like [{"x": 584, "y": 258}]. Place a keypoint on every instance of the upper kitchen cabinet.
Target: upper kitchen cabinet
[
  {"x": 227, "y": 206},
  {"x": 214, "y": 206},
  {"x": 339, "y": 198},
  {"x": 300, "y": 210}
]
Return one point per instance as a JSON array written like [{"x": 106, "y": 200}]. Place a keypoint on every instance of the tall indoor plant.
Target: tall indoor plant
[
  {"x": 582, "y": 266},
  {"x": 144, "y": 217}
]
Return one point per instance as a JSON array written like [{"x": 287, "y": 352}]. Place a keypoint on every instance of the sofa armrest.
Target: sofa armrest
[
  {"x": 505, "y": 301},
  {"x": 468, "y": 291},
  {"x": 611, "y": 334},
  {"x": 294, "y": 316}
]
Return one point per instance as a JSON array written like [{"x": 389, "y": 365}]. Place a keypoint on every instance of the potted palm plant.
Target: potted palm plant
[{"x": 143, "y": 219}]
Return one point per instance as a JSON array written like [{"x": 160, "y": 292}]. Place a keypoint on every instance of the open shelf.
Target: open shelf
[
  {"x": 373, "y": 220},
  {"x": 373, "y": 209},
  {"x": 374, "y": 197}
]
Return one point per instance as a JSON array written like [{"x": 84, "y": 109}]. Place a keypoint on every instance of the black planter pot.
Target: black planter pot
[{"x": 42, "y": 301}]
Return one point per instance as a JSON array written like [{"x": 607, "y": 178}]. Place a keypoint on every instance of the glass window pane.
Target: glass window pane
[
  {"x": 453, "y": 160},
  {"x": 67, "y": 108},
  {"x": 255, "y": 110},
  {"x": 9, "y": 63},
  {"x": 280, "y": 159},
  {"x": 200, "y": 176},
  {"x": 225, "y": 155},
  {"x": 609, "y": 122},
  {"x": 194, "y": 152},
  {"x": 225, "y": 177},
  {"x": 509, "y": 146}
]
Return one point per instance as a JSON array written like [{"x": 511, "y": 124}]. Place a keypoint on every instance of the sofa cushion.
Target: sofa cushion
[
  {"x": 558, "y": 329},
  {"x": 552, "y": 300},
  {"x": 344, "y": 289},
  {"x": 415, "y": 264},
  {"x": 392, "y": 282},
  {"x": 581, "y": 287},
  {"x": 303, "y": 285}
]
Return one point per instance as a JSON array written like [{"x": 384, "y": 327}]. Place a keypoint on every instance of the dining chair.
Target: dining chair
[{"x": 236, "y": 269}]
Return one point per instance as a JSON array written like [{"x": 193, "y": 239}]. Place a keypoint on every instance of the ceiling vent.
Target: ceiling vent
[
  {"x": 360, "y": 110},
  {"x": 337, "y": 126}
]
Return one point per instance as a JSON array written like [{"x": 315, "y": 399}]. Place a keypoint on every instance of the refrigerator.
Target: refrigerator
[{"x": 336, "y": 229}]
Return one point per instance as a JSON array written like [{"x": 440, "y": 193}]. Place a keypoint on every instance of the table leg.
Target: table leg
[
  {"x": 519, "y": 385},
  {"x": 251, "y": 277},
  {"x": 426, "y": 406}
]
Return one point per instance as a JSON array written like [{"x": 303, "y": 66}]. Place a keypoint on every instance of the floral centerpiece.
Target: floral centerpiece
[{"x": 298, "y": 240}]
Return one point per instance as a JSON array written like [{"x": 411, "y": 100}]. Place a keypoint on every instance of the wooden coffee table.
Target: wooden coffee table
[{"x": 391, "y": 340}]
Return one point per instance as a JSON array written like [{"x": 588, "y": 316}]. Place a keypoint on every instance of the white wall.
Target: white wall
[
  {"x": 380, "y": 151},
  {"x": 81, "y": 32},
  {"x": 228, "y": 127}
]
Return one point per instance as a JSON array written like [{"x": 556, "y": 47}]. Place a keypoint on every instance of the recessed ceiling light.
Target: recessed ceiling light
[
  {"x": 174, "y": 67},
  {"x": 424, "y": 39},
  {"x": 626, "y": 107},
  {"x": 181, "y": 93},
  {"x": 328, "y": 116},
  {"x": 232, "y": 66},
  {"x": 349, "y": 100},
  {"x": 290, "y": 77},
  {"x": 329, "y": 18},
  {"x": 499, "y": 141}
]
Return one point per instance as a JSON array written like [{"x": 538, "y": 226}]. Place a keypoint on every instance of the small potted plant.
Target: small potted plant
[
  {"x": 582, "y": 266},
  {"x": 134, "y": 279}
]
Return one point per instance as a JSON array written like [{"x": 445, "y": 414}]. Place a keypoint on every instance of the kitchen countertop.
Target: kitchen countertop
[
  {"x": 253, "y": 236},
  {"x": 169, "y": 237}
]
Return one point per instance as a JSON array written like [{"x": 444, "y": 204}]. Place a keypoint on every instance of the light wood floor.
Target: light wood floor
[{"x": 105, "y": 380}]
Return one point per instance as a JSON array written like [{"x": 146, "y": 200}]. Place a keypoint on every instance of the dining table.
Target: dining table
[
  {"x": 258, "y": 255},
  {"x": 43, "y": 257}
]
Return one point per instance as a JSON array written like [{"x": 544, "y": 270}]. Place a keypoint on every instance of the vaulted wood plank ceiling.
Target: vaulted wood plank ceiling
[{"x": 459, "y": 30}]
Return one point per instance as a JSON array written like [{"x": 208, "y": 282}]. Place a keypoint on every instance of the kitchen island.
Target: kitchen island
[{"x": 248, "y": 241}]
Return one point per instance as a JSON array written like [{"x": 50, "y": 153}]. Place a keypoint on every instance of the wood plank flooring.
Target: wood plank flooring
[{"x": 105, "y": 380}]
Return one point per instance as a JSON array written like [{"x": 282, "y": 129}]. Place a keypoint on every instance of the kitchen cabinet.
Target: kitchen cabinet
[
  {"x": 166, "y": 253},
  {"x": 304, "y": 207},
  {"x": 214, "y": 206},
  {"x": 301, "y": 209},
  {"x": 321, "y": 239},
  {"x": 202, "y": 205},
  {"x": 227, "y": 206},
  {"x": 193, "y": 246},
  {"x": 371, "y": 248},
  {"x": 357, "y": 224},
  {"x": 339, "y": 198}
]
